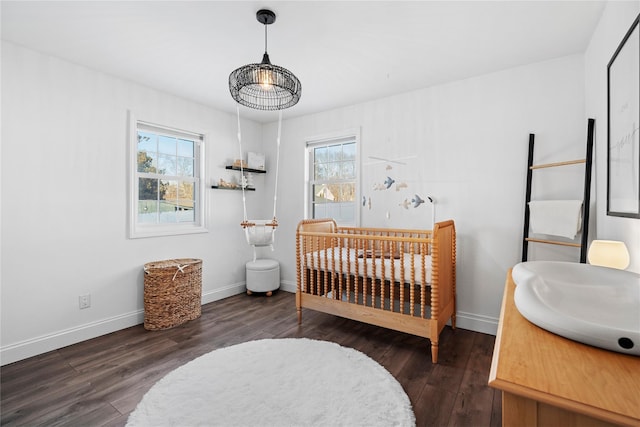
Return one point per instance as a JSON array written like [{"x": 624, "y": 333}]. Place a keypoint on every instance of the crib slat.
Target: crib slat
[
  {"x": 402, "y": 253},
  {"x": 340, "y": 270},
  {"x": 423, "y": 281},
  {"x": 412, "y": 280},
  {"x": 365, "y": 261},
  {"x": 392, "y": 282},
  {"x": 327, "y": 272},
  {"x": 315, "y": 242},
  {"x": 435, "y": 292},
  {"x": 349, "y": 248}
]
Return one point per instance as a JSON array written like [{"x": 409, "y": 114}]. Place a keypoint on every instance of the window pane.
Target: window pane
[
  {"x": 147, "y": 162},
  {"x": 186, "y": 193},
  {"x": 168, "y": 201},
  {"x": 166, "y": 145},
  {"x": 147, "y": 189},
  {"x": 167, "y": 165},
  {"x": 185, "y": 166},
  {"x": 186, "y": 214},
  {"x": 320, "y": 154},
  {"x": 320, "y": 171},
  {"x": 185, "y": 148},
  {"x": 348, "y": 169},
  {"x": 333, "y": 170},
  {"x": 169, "y": 191},
  {"x": 347, "y": 213},
  {"x": 334, "y": 153},
  {"x": 168, "y": 213},
  {"x": 347, "y": 192},
  {"x": 349, "y": 151},
  {"x": 320, "y": 211},
  {"x": 333, "y": 192},
  {"x": 333, "y": 210},
  {"x": 323, "y": 194},
  {"x": 147, "y": 142},
  {"x": 148, "y": 211}
]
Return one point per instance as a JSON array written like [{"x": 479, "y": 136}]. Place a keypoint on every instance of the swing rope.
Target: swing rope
[
  {"x": 275, "y": 191},
  {"x": 244, "y": 200},
  {"x": 274, "y": 221}
]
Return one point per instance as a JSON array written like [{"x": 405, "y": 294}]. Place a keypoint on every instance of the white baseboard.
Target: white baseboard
[
  {"x": 477, "y": 323},
  {"x": 223, "y": 293},
  {"x": 45, "y": 343},
  {"x": 289, "y": 286}
]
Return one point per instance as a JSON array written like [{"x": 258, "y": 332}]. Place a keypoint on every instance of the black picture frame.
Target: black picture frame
[{"x": 623, "y": 130}]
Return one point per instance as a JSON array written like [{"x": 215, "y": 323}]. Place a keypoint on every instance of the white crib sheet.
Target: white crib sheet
[{"x": 358, "y": 266}]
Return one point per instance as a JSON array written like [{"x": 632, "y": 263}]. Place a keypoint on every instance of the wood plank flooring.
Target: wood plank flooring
[{"x": 100, "y": 381}]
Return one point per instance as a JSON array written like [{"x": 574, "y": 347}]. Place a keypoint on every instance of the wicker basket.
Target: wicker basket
[{"x": 172, "y": 292}]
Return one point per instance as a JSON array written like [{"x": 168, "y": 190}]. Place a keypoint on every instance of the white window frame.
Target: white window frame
[
  {"x": 325, "y": 140},
  {"x": 143, "y": 230}
]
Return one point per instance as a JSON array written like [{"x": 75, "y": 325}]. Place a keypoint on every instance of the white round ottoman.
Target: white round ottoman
[{"x": 263, "y": 275}]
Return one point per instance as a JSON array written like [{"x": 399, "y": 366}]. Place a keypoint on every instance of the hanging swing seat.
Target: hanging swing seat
[
  {"x": 260, "y": 232},
  {"x": 263, "y": 275}
]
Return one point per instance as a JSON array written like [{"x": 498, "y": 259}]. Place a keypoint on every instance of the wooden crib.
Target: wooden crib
[{"x": 399, "y": 279}]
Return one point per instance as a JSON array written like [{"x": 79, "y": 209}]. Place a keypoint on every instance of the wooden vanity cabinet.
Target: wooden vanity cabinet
[{"x": 548, "y": 380}]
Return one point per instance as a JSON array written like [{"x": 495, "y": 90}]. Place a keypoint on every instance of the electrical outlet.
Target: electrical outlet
[{"x": 84, "y": 301}]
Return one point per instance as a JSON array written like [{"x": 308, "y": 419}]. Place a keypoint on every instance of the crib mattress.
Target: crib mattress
[{"x": 355, "y": 262}]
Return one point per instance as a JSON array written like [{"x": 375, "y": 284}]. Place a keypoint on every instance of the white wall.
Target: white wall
[
  {"x": 614, "y": 24},
  {"x": 64, "y": 202},
  {"x": 471, "y": 139}
]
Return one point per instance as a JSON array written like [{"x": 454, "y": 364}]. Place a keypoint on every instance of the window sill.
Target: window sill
[{"x": 161, "y": 231}]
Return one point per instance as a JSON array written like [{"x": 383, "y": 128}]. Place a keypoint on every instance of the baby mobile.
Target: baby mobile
[{"x": 387, "y": 182}]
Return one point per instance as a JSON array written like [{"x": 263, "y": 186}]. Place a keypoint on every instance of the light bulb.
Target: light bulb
[{"x": 265, "y": 79}]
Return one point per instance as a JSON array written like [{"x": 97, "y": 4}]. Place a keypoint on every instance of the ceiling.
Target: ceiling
[{"x": 343, "y": 52}]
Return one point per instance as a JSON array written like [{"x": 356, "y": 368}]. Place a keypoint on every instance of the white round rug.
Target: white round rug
[{"x": 277, "y": 382}]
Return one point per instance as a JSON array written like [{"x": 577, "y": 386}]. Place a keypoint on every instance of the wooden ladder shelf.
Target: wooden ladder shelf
[{"x": 586, "y": 198}]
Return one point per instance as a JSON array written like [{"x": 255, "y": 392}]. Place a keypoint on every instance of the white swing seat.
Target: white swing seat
[{"x": 260, "y": 232}]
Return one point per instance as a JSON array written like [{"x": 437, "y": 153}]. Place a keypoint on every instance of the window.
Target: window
[
  {"x": 332, "y": 177},
  {"x": 166, "y": 185}
]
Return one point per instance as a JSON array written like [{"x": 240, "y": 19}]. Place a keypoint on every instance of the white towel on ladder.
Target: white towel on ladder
[{"x": 556, "y": 217}]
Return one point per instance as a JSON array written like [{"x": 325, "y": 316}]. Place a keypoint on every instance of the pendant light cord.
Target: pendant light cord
[{"x": 265, "y": 38}]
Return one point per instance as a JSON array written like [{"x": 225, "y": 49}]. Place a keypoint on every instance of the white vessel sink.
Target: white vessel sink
[{"x": 593, "y": 305}]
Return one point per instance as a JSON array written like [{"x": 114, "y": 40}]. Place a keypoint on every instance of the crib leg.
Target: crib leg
[
  {"x": 453, "y": 321},
  {"x": 434, "y": 351}
]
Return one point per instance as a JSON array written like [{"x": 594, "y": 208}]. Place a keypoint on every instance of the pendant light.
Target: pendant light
[{"x": 265, "y": 86}]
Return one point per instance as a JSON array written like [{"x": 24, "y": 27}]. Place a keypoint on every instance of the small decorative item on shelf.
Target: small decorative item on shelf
[
  {"x": 255, "y": 160},
  {"x": 240, "y": 163},
  {"x": 225, "y": 184},
  {"x": 249, "y": 181}
]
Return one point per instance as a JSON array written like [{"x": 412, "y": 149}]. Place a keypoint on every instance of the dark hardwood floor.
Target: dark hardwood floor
[{"x": 100, "y": 381}]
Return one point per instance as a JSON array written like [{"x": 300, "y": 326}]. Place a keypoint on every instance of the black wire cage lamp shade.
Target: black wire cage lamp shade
[{"x": 265, "y": 86}]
